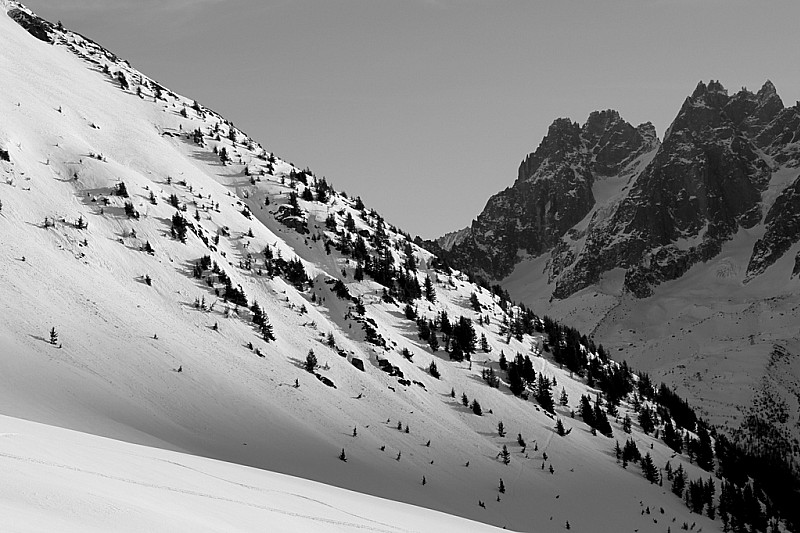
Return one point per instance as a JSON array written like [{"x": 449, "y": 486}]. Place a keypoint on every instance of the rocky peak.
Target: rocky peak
[
  {"x": 612, "y": 142},
  {"x": 767, "y": 91},
  {"x": 713, "y": 94},
  {"x": 648, "y": 132},
  {"x": 562, "y": 139},
  {"x": 751, "y": 113},
  {"x": 553, "y": 192},
  {"x": 598, "y": 122}
]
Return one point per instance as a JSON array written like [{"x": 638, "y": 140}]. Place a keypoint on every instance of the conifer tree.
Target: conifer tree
[
  {"x": 342, "y": 456},
  {"x": 430, "y": 293},
  {"x": 626, "y": 424},
  {"x": 601, "y": 421},
  {"x": 649, "y": 469},
  {"x": 505, "y": 455},
  {"x": 630, "y": 452},
  {"x": 502, "y": 488},
  {"x": 543, "y": 394},
  {"x": 485, "y": 348},
  {"x": 501, "y": 430},
  {"x": 563, "y": 399},
  {"x": 53, "y": 336},
  {"x": 678, "y": 481},
  {"x": 704, "y": 453},
  {"x": 476, "y": 408},
  {"x": 267, "y": 332},
  {"x": 646, "y": 420},
  {"x": 476, "y": 304},
  {"x": 433, "y": 342},
  {"x": 560, "y": 428},
  {"x": 311, "y": 361}
]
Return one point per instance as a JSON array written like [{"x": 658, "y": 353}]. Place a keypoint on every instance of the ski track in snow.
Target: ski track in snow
[{"x": 386, "y": 528}]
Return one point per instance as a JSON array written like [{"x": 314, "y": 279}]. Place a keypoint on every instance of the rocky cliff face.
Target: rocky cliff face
[
  {"x": 681, "y": 201},
  {"x": 552, "y": 193},
  {"x": 783, "y": 230}
]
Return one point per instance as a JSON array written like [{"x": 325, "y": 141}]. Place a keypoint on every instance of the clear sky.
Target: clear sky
[{"x": 425, "y": 108}]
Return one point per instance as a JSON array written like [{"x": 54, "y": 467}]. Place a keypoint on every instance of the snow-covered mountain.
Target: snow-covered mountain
[
  {"x": 169, "y": 282},
  {"x": 682, "y": 256}
]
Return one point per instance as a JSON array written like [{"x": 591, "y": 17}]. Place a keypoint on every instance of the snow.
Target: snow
[
  {"x": 694, "y": 332},
  {"x": 113, "y": 372},
  {"x": 88, "y": 483}
]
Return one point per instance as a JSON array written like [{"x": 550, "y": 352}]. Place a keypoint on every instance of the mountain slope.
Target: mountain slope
[
  {"x": 89, "y": 483},
  {"x": 687, "y": 267},
  {"x": 140, "y": 228}
]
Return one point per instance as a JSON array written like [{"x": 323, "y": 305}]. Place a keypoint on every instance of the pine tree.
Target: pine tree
[
  {"x": 464, "y": 399},
  {"x": 704, "y": 454},
  {"x": 587, "y": 413},
  {"x": 501, "y": 430},
  {"x": 430, "y": 293},
  {"x": 505, "y": 455},
  {"x": 626, "y": 424},
  {"x": 342, "y": 456},
  {"x": 560, "y": 428},
  {"x": 646, "y": 420},
  {"x": 630, "y": 452},
  {"x": 53, "y": 336},
  {"x": 502, "y": 488},
  {"x": 433, "y": 342},
  {"x": 485, "y": 348},
  {"x": 476, "y": 304},
  {"x": 476, "y": 408},
  {"x": 678, "y": 481},
  {"x": 601, "y": 421},
  {"x": 708, "y": 495},
  {"x": 179, "y": 226},
  {"x": 563, "y": 399},
  {"x": 311, "y": 361},
  {"x": 434, "y": 371},
  {"x": 543, "y": 395},
  {"x": 266, "y": 332},
  {"x": 649, "y": 469}
]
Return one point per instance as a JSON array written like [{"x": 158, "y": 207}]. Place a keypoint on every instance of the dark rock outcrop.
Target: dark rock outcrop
[
  {"x": 36, "y": 26},
  {"x": 783, "y": 230}
]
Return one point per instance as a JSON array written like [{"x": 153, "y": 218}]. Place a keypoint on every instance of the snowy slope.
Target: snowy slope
[
  {"x": 73, "y": 134},
  {"x": 90, "y": 483},
  {"x": 709, "y": 334}
]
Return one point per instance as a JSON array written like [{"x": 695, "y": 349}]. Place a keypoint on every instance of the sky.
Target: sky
[{"x": 425, "y": 108}]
